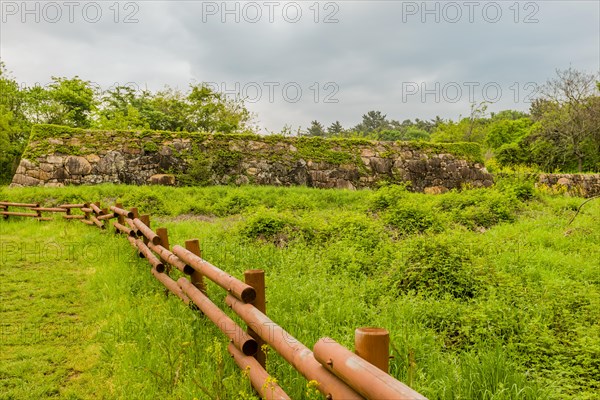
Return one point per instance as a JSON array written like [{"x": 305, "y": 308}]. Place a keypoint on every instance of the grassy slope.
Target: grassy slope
[
  {"x": 46, "y": 330},
  {"x": 523, "y": 322}
]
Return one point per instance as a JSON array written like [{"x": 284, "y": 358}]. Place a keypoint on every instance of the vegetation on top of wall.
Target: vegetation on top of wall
[
  {"x": 467, "y": 150},
  {"x": 44, "y": 132},
  {"x": 332, "y": 150}
]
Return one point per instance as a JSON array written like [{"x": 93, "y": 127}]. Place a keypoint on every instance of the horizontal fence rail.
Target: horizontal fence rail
[{"x": 340, "y": 373}]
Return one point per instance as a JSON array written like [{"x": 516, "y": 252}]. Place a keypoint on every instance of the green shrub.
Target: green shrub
[
  {"x": 271, "y": 227},
  {"x": 299, "y": 202},
  {"x": 436, "y": 267},
  {"x": 362, "y": 230},
  {"x": 356, "y": 245},
  {"x": 412, "y": 218},
  {"x": 387, "y": 196},
  {"x": 523, "y": 191},
  {"x": 232, "y": 204},
  {"x": 347, "y": 257},
  {"x": 197, "y": 173},
  {"x": 148, "y": 200},
  {"x": 150, "y": 147},
  {"x": 512, "y": 154},
  {"x": 480, "y": 207}
]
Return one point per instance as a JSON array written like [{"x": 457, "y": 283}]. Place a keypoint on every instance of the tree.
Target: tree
[
  {"x": 121, "y": 108},
  {"x": 373, "y": 121},
  {"x": 568, "y": 113},
  {"x": 14, "y": 126},
  {"x": 410, "y": 133},
  {"x": 212, "y": 111},
  {"x": 469, "y": 129},
  {"x": 335, "y": 129},
  {"x": 198, "y": 110},
  {"x": 75, "y": 101},
  {"x": 69, "y": 102},
  {"x": 316, "y": 129},
  {"x": 508, "y": 115},
  {"x": 504, "y": 131}
]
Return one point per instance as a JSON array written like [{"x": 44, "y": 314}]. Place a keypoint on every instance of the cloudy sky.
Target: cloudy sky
[{"x": 299, "y": 61}]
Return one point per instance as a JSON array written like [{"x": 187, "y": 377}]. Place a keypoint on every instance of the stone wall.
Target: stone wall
[
  {"x": 58, "y": 156},
  {"x": 585, "y": 185}
]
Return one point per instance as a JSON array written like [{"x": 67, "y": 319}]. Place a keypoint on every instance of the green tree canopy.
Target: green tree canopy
[
  {"x": 568, "y": 116},
  {"x": 316, "y": 129}
]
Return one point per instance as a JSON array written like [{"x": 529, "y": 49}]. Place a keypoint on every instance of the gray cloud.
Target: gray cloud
[{"x": 372, "y": 55}]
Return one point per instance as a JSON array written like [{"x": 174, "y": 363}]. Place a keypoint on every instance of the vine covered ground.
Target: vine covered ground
[{"x": 487, "y": 293}]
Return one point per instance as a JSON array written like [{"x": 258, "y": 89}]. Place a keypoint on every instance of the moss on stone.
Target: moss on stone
[
  {"x": 150, "y": 146},
  {"x": 336, "y": 151}
]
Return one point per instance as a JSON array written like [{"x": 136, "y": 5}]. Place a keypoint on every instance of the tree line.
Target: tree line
[
  {"x": 78, "y": 103},
  {"x": 561, "y": 131}
]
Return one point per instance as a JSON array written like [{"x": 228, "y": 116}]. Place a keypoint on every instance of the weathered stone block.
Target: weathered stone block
[
  {"x": 47, "y": 167},
  {"x": 92, "y": 158},
  {"x": 60, "y": 174},
  {"x": 162, "y": 179},
  {"x": 76, "y": 165},
  {"x": 24, "y": 180},
  {"x": 111, "y": 163},
  {"x": 381, "y": 165},
  {"x": 54, "y": 159},
  {"x": 564, "y": 182},
  {"x": 435, "y": 190}
]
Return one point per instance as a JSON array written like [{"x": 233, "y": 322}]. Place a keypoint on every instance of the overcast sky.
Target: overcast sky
[{"x": 305, "y": 60}]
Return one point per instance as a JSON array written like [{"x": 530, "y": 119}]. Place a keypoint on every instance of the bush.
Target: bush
[
  {"x": 435, "y": 267},
  {"x": 275, "y": 228},
  {"x": 409, "y": 219},
  {"x": 357, "y": 245},
  {"x": 234, "y": 203},
  {"x": 147, "y": 200},
  {"x": 512, "y": 154},
  {"x": 387, "y": 196},
  {"x": 363, "y": 231},
  {"x": 198, "y": 171},
  {"x": 480, "y": 207}
]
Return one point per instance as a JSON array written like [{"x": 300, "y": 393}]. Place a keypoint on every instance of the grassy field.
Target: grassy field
[{"x": 487, "y": 294}]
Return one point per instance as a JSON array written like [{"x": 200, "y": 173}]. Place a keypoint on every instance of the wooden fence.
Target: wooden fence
[{"x": 340, "y": 373}]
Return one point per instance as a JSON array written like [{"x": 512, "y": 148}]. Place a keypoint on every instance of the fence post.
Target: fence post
[
  {"x": 120, "y": 218},
  {"x": 146, "y": 220},
  {"x": 164, "y": 241},
  {"x": 373, "y": 345},
  {"x": 256, "y": 279},
  {"x": 193, "y": 245},
  {"x": 135, "y": 212}
]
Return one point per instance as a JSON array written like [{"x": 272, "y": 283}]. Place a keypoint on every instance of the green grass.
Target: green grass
[
  {"x": 486, "y": 295},
  {"x": 45, "y": 347}
]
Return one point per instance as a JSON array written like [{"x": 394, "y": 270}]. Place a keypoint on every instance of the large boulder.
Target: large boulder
[
  {"x": 76, "y": 165},
  {"x": 112, "y": 163},
  {"x": 162, "y": 179},
  {"x": 24, "y": 180}
]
